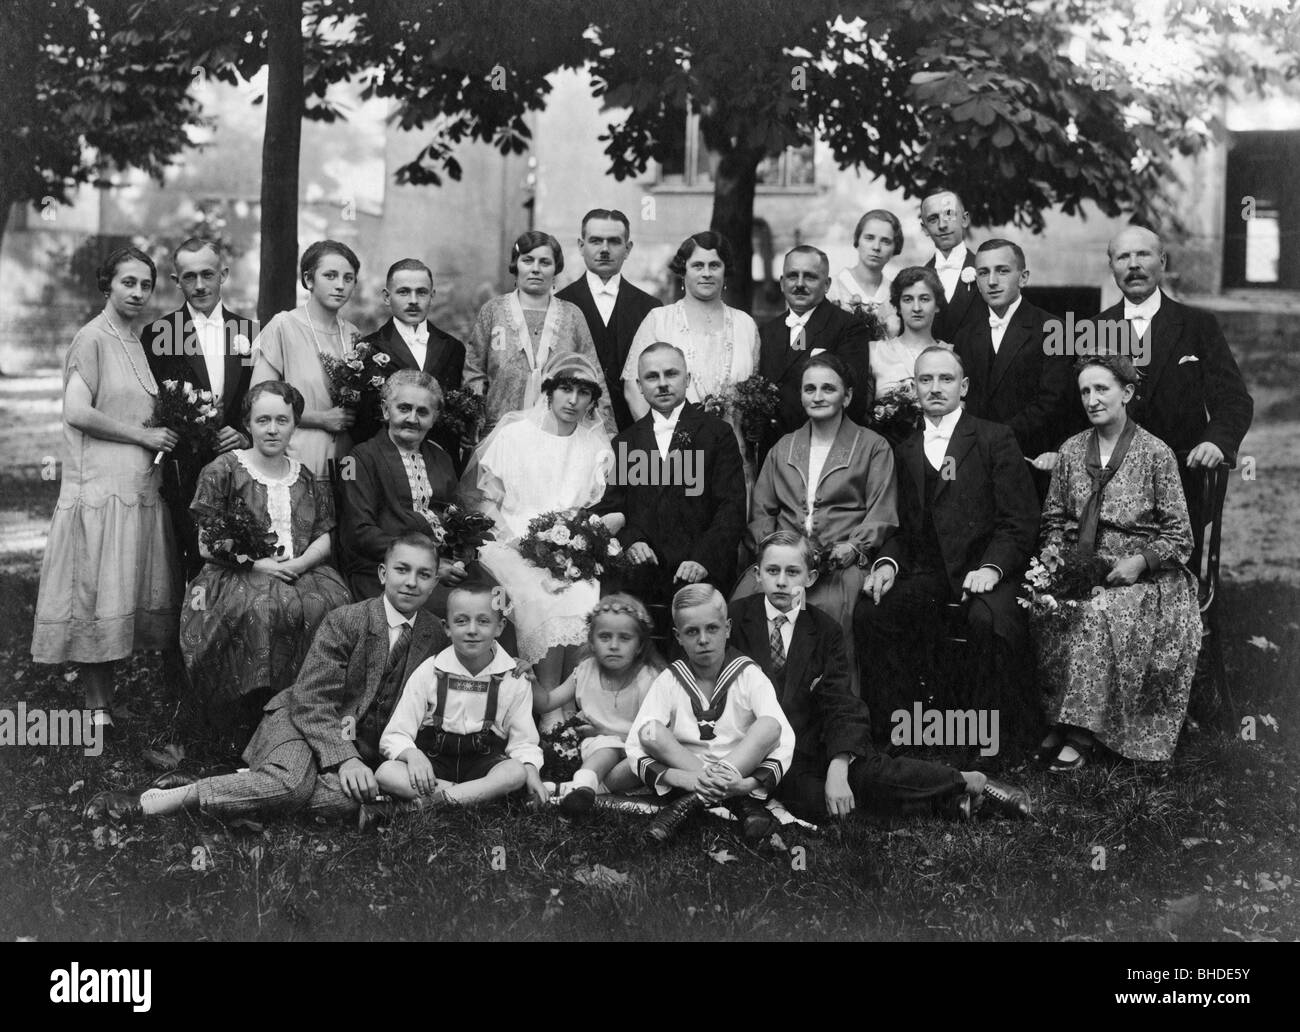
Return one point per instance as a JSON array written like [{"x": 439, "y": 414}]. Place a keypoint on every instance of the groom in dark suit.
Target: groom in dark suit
[
  {"x": 945, "y": 221},
  {"x": 1013, "y": 379},
  {"x": 810, "y": 324},
  {"x": 679, "y": 482},
  {"x": 968, "y": 523},
  {"x": 613, "y": 307},
  {"x": 205, "y": 343},
  {"x": 412, "y": 341}
]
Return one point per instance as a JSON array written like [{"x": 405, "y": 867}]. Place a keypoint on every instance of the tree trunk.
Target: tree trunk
[
  {"x": 734, "y": 184},
  {"x": 277, "y": 282}
]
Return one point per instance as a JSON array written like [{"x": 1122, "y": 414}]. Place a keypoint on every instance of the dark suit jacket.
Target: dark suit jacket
[
  {"x": 828, "y": 719},
  {"x": 1192, "y": 390},
  {"x": 1020, "y": 386},
  {"x": 830, "y": 329},
  {"x": 377, "y": 504},
  {"x": 613, "y": 342},
  {"x": 681, "y": 525},
  {"x": 444, "y": 360},
  {"x": 341, "y": 674},
  {"x": 985, "y": 513},
  {"x": 965, "y": 307}
]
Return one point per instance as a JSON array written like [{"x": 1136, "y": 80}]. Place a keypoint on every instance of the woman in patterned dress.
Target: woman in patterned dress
[
  {"x": 110, "y": 580},
  {"x": 1119, "y": 666},
  {"x": 246, "y": 626}
]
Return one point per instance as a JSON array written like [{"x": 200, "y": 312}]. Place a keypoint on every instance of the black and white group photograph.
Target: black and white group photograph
[{"x": 629, "y": 471}]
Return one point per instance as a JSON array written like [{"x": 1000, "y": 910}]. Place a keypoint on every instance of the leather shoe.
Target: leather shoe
[
  {"x": 756, "y": 821},
  {"x": 114, "y": 806},
  {"x": 1007, "y": 799},
  {"x": 578, "y": 802},
  {"x": 668, "y": 821},
  {"x": 172, "y": 779}
]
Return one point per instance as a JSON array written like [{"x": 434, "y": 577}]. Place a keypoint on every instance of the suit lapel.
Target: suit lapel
[
  {"x": 422, "y": 639},
  {"x": 234, "y": 363},
  {"x": 396, "y": 346},
  {"x": 801, "y": 649},
  {"x": 912, "y": 453},
  {"x": 193, "y": 349},
  {"x": 377, "y": 653},
  {"x": 962, "y": 441},
  {"x": 787, "y": 357},
  {"x": 1018, "y": 333},
  {"x": 1165, "y": 329},
  {"x": 396, "y": 471}
]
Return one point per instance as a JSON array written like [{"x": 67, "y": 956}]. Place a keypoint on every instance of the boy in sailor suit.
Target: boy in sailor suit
[{"x": 711, "y": 728}]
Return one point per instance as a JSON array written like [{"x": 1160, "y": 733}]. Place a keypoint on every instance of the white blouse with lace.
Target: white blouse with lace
[{"x": 278, "y": 505}]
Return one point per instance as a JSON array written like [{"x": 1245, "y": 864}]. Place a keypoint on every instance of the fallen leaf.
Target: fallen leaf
[
  {"x": 1191, "y": 843},
  {"x": 598, "y": 876},
  {"x": 76, "y": 786},
  {"x": 722, "y": 856},
  {"x": 1177, "y": 913}
]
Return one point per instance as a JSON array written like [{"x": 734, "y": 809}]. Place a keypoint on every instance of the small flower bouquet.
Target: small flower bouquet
[
  {"x": 361, "y": 370},
  {"x": 1060, "y": 578},
  {"x": 463, "y": 413},
  {"x": 755, "y": 402},
  {"x": 561, "y": 748},
  {"x": 465, "y": 531},
  {"x": 714, "y": 405},
  {"x": 238, "y": 535},
  {"x": 880, "y": 317},
  {"x": 897, "y": 412},
  {"x": 190, "y": 413},
  {"x": 571, "y": 548}
]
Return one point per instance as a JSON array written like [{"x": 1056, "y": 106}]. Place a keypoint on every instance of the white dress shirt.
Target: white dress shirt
[
  {"x": 416, "y": 338},
  {"x": 211, "y": 333},
  {"x": 949, "y": 269},
  {"x": 787, "y": 629},
  {"x": 664, "y": 427},
  {"x": 936, "y": 438},
  {"x": 604, "y": 294},
  {"x": 395, "y": 622},
  {"x": 816, "y": 463},
  {"x": 1142, "y": 314},
  {"x": 998, "y": 327}
]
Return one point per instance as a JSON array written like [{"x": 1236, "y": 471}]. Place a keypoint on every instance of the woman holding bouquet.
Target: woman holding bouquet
[
  {"x": 1119, "y": 665},
  {"x": 517, "y": 334},
  {"x": 264, "y": 525},
  {"x": 917, "y": 294},
  {"x": 296, "y": 346},
  {"x": 833, "y": 481},
  {"x": 553, "y": 457},
  {"x": 878, "y": 237},
  {"x": 110, "y": 580}
]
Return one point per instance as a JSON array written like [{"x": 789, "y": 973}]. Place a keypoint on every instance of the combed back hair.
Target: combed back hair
[
  {"x": 473, "y": 586},
  {"x": 997, "y": 243},
  {"x": 935, "y": 349},
  {"x": 832, "y": 362},
  {"x": 319, "y": 251},
  {"x": 607, "y": 215},
  {"x": 531, "y": 241},
  {"x": 1121, "y": 367},
  {"x": 912, "y": 275},
  {"x": 880, "y": 215},
  {"x": 662, "y": 345},
  {"x": 414, "y": 539},
  {"x": 789, "y": 539},
  {"x": 705, "y": 241},
  {"x": 285, "y": 391},
  {"x": 408, "y": 265},
  {"x": 108, "y": 268},
  {"x": 411, "y": 378},
  {"x": 197, "y": 243},
  {"x": 809, "y": 249},
  {"x": 697, "y": 595}
]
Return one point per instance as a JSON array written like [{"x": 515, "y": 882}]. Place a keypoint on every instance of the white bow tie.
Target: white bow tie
[
  {"x": 937, "y": 434},
  {"x": 792, "y": 320},
  {"x": 419, "y": 335},
  {"x": 950, "y": 263},
  {"x": 997, "y": 324},
  {"x": 1133, "y": 312},
  {"x": 665, "y": 421}
]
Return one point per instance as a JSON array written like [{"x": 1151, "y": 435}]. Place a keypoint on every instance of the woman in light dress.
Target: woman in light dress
[{"x": 878, "y": 238}]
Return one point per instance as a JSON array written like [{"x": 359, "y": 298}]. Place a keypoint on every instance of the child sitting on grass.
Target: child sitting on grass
[
  {"x": 711, "y": 728},
  {"x": 835, "y": 768},
  {"x": 463, "y": 731},
  {"x": 608, "y": 688}
]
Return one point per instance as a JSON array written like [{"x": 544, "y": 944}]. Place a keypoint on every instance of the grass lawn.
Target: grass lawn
[{"x": 1202, "y": 850}]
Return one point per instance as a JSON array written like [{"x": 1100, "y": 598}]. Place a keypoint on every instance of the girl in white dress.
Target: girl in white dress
[
  {"x": 608, "y": 687},
  {"x": 553, "y": 456}
]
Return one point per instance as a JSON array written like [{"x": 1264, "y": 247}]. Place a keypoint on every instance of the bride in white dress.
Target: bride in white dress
[{"x": 552, "y": 456}]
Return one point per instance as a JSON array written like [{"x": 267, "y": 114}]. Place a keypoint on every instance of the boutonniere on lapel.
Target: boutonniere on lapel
[
  {"x": 681, "y": 440},
  {"x": 967, "y": 275},
  {"x": 241, "y": 345}
]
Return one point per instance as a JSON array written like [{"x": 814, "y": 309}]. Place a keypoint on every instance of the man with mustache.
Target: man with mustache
[
  {"x": 613, "y": 307},
  {"x": 412, "y": 341},
  {"x": 968, "y": 522},
  {"x": 205, "y": 343},
  {"x": 810, "y": 325},
  {"x": 945, "y": 221},
  {"x": 1192, "y": 396}
]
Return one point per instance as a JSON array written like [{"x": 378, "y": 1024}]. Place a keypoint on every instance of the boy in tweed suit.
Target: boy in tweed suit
[{"x": 318, "y": 742}]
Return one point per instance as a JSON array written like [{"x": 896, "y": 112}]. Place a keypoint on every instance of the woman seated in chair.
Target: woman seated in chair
[
  {"x": 834, "y": 481},
  {"x": 396, "y": 483},
  {"x": 247, "y": 624},
  {"x": 1118, "y": 666}
]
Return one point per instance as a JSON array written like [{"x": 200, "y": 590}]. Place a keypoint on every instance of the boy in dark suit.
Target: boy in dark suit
[
  {"x": 835, "y": 768},
  {"x": 318, "y": 744},
  {"x": 613, "y": 307},
  {"x": 205, "y": 343}
]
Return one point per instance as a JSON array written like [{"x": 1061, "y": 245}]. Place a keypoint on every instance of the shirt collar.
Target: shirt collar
[
  {"x": 501, "y": 663},
  {"x": 946, "y": 425},
  {"x": 1006, "y": 319},
  {"x": 1146, "y": 309},
  {"x": 198, "y": 317},
  {"x": 396, "y": 619},
  {"x": 956, "y": 258},
  {"x": 411, "y": 333},
  {"x": 793, "y": 319},
  {"x": 597, "y": 287},
  {"x": 773, "y": 612},
  {"x": 669, "y": 420}
]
